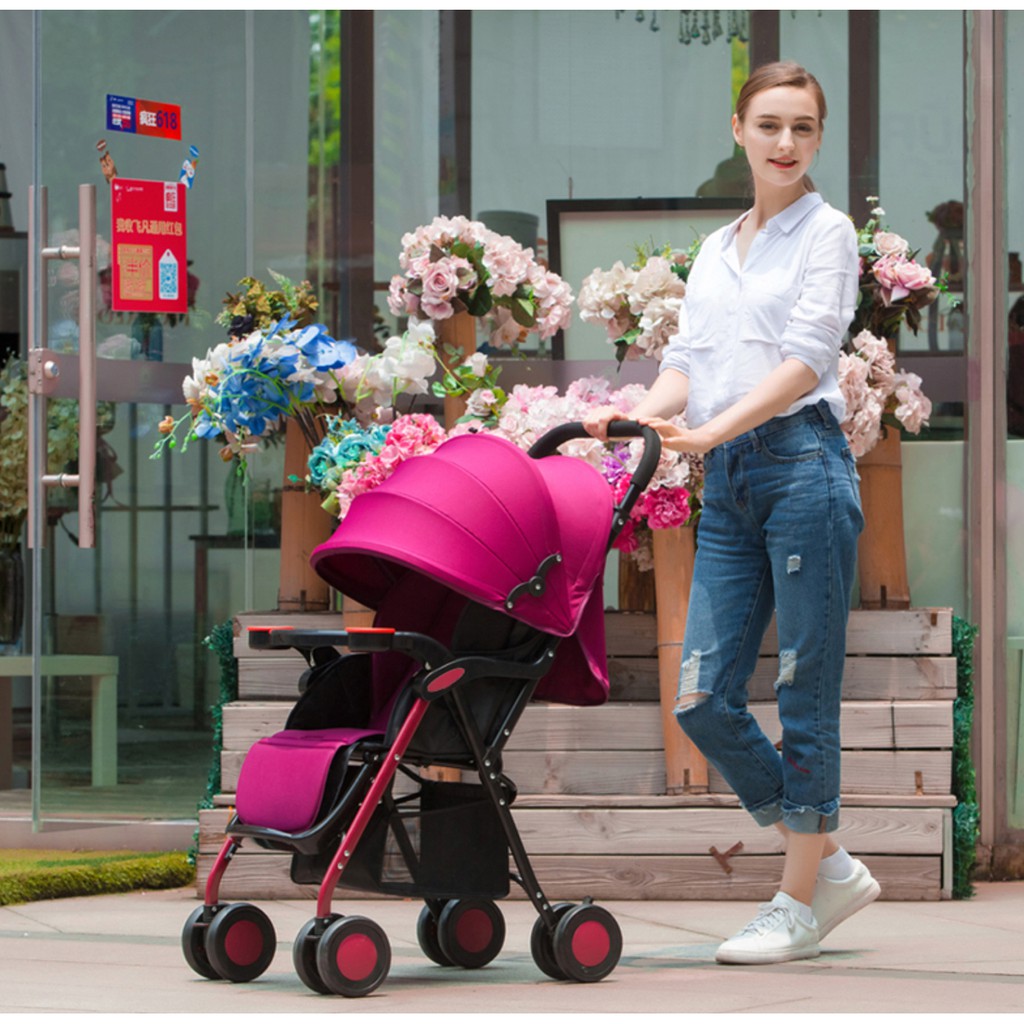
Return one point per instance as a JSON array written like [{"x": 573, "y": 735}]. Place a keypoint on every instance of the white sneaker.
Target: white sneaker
[
  {"x": 835, "y": 901},
  {"x": 778, "y": 933}
]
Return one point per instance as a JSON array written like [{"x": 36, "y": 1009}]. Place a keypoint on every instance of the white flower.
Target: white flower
[{"x": 478, "y": 364}]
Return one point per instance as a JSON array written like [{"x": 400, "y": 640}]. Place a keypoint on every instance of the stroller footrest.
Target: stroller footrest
[{"x": 281, "y": 784}]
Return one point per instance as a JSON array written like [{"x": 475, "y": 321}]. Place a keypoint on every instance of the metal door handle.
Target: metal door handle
[{"x": 43, "y": 372}]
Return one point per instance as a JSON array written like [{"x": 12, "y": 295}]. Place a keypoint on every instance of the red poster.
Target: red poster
[{"x": 149, "y": 264}]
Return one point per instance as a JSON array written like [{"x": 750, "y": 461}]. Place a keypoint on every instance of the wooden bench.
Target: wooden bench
[{"x": 592, "y": 805}]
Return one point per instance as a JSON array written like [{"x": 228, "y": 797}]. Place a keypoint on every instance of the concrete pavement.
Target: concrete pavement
[{"x": 121, "y": 954}]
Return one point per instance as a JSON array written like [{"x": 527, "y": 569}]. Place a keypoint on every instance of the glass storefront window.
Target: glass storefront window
[
  {"x": 132, "y": 604},
  {"x": 1014, "y": 141},
  {"x": 554, "y": 105}
]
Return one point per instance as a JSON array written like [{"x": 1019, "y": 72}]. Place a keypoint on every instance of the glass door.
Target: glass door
[{"x": 121, "y": 722}]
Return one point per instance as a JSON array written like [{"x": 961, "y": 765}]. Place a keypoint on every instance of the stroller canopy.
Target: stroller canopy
[{"x": 527, "y": 537}]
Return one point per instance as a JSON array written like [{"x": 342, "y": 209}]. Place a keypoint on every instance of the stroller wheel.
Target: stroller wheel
[
  {"x": 588, "y": 943},
  {"x": 353, "y": 956},
  {"x": 542, "y": 944},
  {"x": 304, "y": 957},
  {"x": 193, "y": 944},
  {"x": 240, "y": 942},
  {"x": 426, "y": 933},
  {"x": 471, "y": 932}
]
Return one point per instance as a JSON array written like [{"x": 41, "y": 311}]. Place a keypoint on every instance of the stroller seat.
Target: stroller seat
[{"x": 289, "y": 780}]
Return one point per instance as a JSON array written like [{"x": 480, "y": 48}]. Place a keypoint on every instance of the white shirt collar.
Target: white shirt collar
[{"x": 785, "y": 221}]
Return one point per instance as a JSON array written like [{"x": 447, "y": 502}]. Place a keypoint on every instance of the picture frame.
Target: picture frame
[{"x": 588, "y": 233}]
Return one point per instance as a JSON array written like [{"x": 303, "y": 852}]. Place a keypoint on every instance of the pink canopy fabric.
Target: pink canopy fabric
[{"x": 480, "y": 516}]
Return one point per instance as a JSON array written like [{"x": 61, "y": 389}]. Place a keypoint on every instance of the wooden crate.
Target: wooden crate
[{"x": 592, "y": 808}]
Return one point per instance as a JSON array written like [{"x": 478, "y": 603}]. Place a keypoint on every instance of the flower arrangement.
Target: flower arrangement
[
  {"x": 275, "y": 364},
  {"x": 353, "y": 459},
  {"x": 876, "y": 395},
  {"x": 894, "y": 287},
  {"x": 454, "y": 264},
  {"x": 638, "y": 306}
]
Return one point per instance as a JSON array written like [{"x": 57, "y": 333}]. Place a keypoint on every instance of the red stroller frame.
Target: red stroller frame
[{"x": 460, "y": 925}]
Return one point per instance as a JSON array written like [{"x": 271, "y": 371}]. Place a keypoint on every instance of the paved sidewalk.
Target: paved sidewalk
[{"x": 121, "y": 954}]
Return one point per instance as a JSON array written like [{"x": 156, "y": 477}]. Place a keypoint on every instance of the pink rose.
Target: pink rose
[
  {"x": 899, "y": 277},
  {"x": 913, "y": 276},
  {"x": 440, "y": 282},
  {"x": 888, "y": 243},
  {"x": 436, "y": 309}
]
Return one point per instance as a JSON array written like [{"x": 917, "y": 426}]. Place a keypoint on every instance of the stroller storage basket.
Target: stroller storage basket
[{"x": 444, "y": 842}]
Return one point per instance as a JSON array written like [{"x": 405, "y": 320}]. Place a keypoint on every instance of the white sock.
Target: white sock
[
  {"x": 805, "y": 912},
  {"x": 837, "y": 866}
]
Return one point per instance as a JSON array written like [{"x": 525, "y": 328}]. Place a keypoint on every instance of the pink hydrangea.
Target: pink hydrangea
[
  {"x": 914, "y": 407},
  {"x": 871, "y": 388},
  {"x": 645, "y": 301}
]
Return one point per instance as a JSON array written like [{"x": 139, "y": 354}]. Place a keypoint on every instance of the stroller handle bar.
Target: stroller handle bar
[
  {"x": 424, "y": 649},
  {"x": 617, "y": 429}
]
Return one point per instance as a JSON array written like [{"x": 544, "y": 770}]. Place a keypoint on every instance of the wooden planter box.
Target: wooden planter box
[{"x": 592, "y": 806}]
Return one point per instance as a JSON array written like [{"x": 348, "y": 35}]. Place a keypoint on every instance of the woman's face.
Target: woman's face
[{"x": 780, "y": 132}]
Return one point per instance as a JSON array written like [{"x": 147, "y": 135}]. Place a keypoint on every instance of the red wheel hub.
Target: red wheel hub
[
  {"x": 590, "y": 944},
  {"x": 474, "y": 931},
  {"x": 243, "y": 943},
  {"x": 357, "y": 957}
]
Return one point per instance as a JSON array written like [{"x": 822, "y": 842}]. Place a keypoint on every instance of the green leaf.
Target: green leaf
[
  {"x": 523, "y": 311},
  {"x": 480, "y": 302}
]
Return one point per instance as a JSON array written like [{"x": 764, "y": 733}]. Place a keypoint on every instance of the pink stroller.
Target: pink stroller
[{"x": 484, "y": 565}]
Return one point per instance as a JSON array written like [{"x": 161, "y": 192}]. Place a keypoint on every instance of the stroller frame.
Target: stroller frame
[{"x": 350, "y": 956}]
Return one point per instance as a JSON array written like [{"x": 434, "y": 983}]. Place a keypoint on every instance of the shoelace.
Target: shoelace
[{"x": 768, "y": 917}]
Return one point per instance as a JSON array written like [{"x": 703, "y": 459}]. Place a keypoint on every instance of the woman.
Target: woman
[{"x": 754, "y": 366}]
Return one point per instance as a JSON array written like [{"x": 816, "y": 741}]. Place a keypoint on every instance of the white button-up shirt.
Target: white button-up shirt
[{"x": 793, "y": 298}]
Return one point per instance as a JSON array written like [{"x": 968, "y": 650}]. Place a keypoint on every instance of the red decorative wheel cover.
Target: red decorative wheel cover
[
  {"x": 474, "y": 931},
  {"x": 591, "y": 943},
  {"x": 244, "y": 943},
  {"x": 356, "y": 957}
]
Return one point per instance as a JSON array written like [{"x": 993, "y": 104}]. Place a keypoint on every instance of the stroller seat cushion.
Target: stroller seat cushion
[{"x": 281, "y": 784}]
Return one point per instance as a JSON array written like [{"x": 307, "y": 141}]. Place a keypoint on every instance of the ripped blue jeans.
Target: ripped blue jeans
[{"x": 778, "y": 533}]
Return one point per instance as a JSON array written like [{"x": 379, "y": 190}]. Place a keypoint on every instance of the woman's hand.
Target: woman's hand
[
  {"x": 679, "y": 439},
  {"x": 596, "y": 421}
]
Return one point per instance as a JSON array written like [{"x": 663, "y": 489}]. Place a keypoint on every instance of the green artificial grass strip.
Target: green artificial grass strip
[
  {"x": 222, "y": 642},
  {"x": 965, "y": 814},
  {"x": 26, "y": 875}
]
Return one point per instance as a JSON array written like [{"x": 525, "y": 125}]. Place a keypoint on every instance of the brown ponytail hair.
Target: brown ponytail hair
[{"x": 782, "y": 73}]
